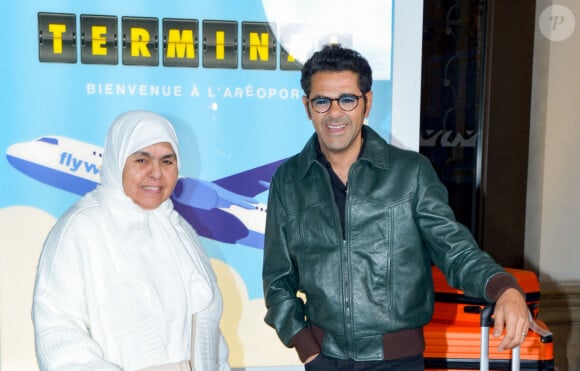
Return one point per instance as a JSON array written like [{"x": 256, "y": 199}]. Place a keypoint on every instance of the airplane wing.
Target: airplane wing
[
  {"x": 251, "y": 182},
  {"x": 225, "y": 210}
]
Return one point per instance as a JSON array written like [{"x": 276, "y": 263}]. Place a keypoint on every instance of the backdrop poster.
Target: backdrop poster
[{"x": 226, "y": 74}]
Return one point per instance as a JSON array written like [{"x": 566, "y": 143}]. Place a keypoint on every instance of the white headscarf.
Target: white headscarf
[
  {"x": 130, "y": 132},
  {"x": 160, "y": 243}
]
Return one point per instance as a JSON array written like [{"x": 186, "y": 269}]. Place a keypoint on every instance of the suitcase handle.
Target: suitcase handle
[
  {"x": 486, "y": 322},
  {"x": 545, "y": 335}
]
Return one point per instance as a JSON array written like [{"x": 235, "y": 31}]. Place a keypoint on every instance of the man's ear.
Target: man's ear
[
  {"x": 306, "y": 106},
  {"x": 368, "y": 103}
]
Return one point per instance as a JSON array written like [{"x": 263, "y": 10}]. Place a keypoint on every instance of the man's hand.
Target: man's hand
[{"x": 512, "y": 314}]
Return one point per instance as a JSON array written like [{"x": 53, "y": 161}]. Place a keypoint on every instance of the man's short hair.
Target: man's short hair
[{"x": 335, "y": 58}]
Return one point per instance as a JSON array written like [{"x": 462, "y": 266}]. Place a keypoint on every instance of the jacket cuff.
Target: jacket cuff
[
  {"x": 305, "y": 344},
  {"x": 499, "y": 283}
]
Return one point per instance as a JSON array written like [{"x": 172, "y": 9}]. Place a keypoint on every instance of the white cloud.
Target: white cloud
[
  {"x": 22, "y": 232},
  {"x": 252, "y": 343}
]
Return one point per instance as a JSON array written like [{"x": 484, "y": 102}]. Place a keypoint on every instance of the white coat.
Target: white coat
[{"x": 117, "y": 285}]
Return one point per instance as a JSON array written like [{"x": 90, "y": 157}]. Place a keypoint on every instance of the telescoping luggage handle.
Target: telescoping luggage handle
[{"x": 487, "y": 322}]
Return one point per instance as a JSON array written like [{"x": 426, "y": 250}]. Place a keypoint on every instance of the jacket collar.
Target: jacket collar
[{"x": 377, "y": 151}]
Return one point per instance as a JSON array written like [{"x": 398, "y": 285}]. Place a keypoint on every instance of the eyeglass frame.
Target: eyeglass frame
[{"x": 358, "y": 97}]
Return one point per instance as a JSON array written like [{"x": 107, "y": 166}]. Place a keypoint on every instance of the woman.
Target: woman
[{"x": 121, "y": 273}]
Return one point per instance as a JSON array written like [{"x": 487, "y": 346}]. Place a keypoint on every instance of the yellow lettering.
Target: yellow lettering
[
  {"x": 58, "y": 42},
  {"x": 258, "y": 46},
  {"x": 180, "y": 45},
  {"x": 220, "y": 45},
  {"x": 99, "y": 40},
  {"x": 57, "y": 31},
  {"x": 139, "y": 40}
]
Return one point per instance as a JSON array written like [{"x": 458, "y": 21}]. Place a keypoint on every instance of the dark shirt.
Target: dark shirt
[{"x": 338, "y": 187}]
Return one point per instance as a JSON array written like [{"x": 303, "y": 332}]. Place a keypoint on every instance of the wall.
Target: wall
[{"x": 553, "y": 200}]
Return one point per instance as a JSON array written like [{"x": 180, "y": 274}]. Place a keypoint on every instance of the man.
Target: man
[{"x": 353, "y": 226}]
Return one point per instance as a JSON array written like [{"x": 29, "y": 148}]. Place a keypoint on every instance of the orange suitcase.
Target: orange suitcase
[
  {"x": 452, "y": 306},
  {"x": 453, "y": 338},
  {"x": 457, "y": 347}
]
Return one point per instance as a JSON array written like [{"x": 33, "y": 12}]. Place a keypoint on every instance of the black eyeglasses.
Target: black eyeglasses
[{"x": 346, "y": 102}]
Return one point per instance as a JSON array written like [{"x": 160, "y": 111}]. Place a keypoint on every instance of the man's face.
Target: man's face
[
  {"x": 150, "y": 175},
  {"x": 338, "y": 130}
]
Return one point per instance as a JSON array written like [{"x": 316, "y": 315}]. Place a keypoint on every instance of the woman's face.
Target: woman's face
[{"x": 150, "y": 175}]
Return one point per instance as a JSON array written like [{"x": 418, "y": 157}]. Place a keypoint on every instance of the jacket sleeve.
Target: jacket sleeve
[
  {"x": 285, "y": 311},
  {"x": 451, "y": 245},
  {"x": 59, "y": 313}
]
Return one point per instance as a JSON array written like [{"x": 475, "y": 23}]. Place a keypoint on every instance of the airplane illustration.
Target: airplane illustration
[{"x": 224, "y": 210}]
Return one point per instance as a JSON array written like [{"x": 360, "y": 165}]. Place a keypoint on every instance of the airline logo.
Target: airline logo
[{"x": 62, "y": 162}]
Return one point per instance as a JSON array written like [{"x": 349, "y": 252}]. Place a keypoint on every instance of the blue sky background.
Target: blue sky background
[{"x": 50, "y": 98}]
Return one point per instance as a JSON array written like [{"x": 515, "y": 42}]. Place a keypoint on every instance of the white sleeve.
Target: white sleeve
[
  {"x": 59, "y": 313},
  {"x": 64, "y": 345},
  {"x": 223, "y": 353},
  {"x": 211, "y": 350}
]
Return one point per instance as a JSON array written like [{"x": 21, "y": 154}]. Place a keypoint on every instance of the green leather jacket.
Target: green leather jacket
[{"x": 377, "y": 279}]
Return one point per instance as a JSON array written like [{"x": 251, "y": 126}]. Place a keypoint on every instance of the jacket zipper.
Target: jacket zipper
[
  {"x": 347, "y": 279},
  {"x": 344, "y": 265}
]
